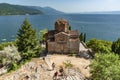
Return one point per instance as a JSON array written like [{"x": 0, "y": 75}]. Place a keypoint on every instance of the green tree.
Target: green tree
[
  {"x": 99, "y": 46},
  {"x": 41, "y": 34},
  {"x": 82, "y": 37},
  {"x": 27, "y": 42},
  {"x": 69, "y": 27},
  {"x": 105, "y": 67},
  {"x": 116, "y": 46}
]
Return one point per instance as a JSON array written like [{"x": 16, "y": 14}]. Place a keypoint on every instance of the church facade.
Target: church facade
[{"x": 62, "y": 39}]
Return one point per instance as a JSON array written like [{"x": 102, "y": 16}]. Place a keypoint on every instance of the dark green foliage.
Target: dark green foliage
[
  {"x": 116, "y": 46},
  {"x": 105, "y": 66},
  {"x": 13, "y": 67},
  {"x": 7, "y": 9},
  {"x": 69, "y": 27},
  {"x": 99, "y": 46},
  {"x": 1, "y": 47},
  {"x": 82, "y": 37},
  {"x": 27, "y": 42}
]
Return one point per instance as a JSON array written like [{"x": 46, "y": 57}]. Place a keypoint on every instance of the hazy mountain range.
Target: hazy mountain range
[
  {"x": 9, "y": 9},
  {"x": 47, "y": 10}
]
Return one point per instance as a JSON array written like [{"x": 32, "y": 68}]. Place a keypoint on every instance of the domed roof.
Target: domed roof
[
  {"x": 62, "y": 20},
  {"x": 62, "y": 25}
]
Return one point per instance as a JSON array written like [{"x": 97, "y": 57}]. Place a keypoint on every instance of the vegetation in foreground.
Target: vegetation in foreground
[{"x": 105, "y": 65}]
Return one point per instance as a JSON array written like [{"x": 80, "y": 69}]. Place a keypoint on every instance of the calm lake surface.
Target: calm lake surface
[{"x": 105, "y": 27}]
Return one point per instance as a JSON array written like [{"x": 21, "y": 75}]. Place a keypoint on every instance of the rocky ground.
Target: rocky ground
[
  {"x": 39, "y": 69},
  {"x": 80, "y": 64}
]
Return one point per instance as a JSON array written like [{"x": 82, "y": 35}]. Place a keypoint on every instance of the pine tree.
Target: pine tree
[
  {"x": 27, "y": 42},
  {"x": 84, "y": 37}
]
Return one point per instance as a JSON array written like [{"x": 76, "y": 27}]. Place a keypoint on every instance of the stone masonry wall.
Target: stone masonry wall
[
  {"x": 51, "y": 46},
  {"x": 74, "y": 45}
]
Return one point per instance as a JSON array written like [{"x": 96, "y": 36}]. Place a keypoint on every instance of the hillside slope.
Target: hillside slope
[
  {"x": 48, "y": 10},
  {"x": 39, "y": 69},
  {"x": 8, "y": 9}
]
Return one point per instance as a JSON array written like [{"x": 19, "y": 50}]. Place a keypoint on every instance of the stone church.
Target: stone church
[{"x": 62, "y": 39}]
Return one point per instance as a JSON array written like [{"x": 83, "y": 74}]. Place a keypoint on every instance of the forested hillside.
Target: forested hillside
[{"x": 8, "y": 9}]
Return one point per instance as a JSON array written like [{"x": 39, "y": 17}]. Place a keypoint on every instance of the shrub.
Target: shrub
[
  {"x": 5, "y": 44},
  {"x": 99, "y": 46},
  {"x": 67, "y": 64},
  {"x": 71, "y": 53},
  {"x": 105, "y": 67},
  {"x": 9, "y": 55},
  {"x": 13, "y": 67}
]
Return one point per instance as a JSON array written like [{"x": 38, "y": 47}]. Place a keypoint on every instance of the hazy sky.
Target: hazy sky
[{"x": 72, "y": 6}]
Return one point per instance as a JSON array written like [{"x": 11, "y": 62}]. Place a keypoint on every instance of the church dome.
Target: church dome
[{"x": 62, "y": 25}]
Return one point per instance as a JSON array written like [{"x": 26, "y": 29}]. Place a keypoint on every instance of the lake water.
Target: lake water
[{"x": 105, "y": 27}]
